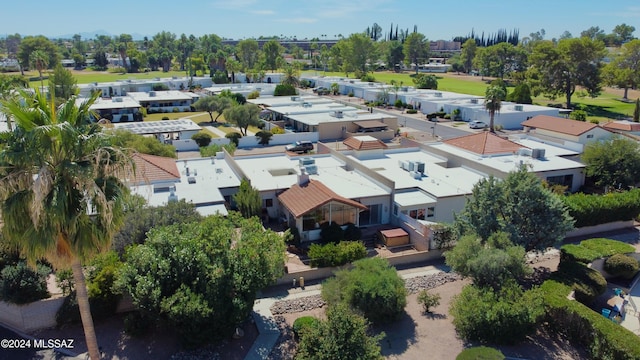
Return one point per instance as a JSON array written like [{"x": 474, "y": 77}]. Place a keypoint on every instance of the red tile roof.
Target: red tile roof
[
  {"x": 150, "y": 168},
  {"x": 485, "y": 143},
  {"x": 623, "y": 125},
  {"x": 559, "y": 125},
  {"x": 301, "y": 199},
  {"x": 357, "y": 143}
]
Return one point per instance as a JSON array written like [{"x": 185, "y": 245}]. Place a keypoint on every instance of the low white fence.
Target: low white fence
[{"x": 26, "y": 318}]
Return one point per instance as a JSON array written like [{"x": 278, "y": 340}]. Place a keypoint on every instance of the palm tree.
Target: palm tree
[
  {"x": 291, "y": 73},
  {"x": 8, "y": 86},
  {"x": 493, "y": 101},
  {"x": 61, "y": 196},
  {"x": 39, "y": 60}
]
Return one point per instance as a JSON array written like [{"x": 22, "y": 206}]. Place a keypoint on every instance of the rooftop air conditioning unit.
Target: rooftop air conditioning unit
[
  {"x": 524, "y": 152},
  {"x": 518, "y": 107},
  {"x": 306, "y": 161},
  {"x": 419, "y": 167},
  {"x": 437, "y": 94},
  {"x": 473, "y": 101},
  {"x": 416, "y": 175},
  {"x": 537, "y": 153},
  {"x": 117, "y": 99},
  {"x": 152, "y": 93},
  {"x": 338, "y": 114},
  {"x": 311, "y": 169},
  {"x": 295, "y": 98}
]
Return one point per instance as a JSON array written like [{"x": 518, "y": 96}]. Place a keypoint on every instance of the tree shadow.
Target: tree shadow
[
  {"x": 399, "y": 335},
  {"x": 434, "y": 316}
]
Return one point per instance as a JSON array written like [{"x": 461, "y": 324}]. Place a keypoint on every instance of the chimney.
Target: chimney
[{"x": 303, "y": 177}]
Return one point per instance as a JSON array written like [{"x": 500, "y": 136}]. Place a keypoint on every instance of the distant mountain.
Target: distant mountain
[{"x": 92, "y": 35}]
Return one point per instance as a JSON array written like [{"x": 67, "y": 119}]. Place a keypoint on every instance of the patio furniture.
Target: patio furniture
[
  {"x": 606, "y": 312},
  {"x": 617, "y": 291}
]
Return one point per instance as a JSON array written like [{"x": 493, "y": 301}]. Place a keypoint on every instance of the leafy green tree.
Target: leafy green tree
[
  {"x": 63, "y": 84},
  {"x": 492, "y": 263},
  {"x": 557, "y": 69},
  {"x": 140, "y": 219},
  {"x": 264, "y": 136},
  {"x": 248, "y": 53},
  {"x": 493, "y": 97},
  {"x": 521, "y": 94},
  {"x": 394, "y": 52},
  {"x": 504, "y": 316},
  {"x": 500, "y": 60},
  {"x": 428, "y": 300},
  {"x": 416, "y": 49},
  {"x": 22, "y": 284},
  {"x": 272, "y": 52},
  {"x": 613, "y": 163},
  {"x": 243, "y": 116},
  {"x": 508, "y": 206},
  {"x": 425, "y": 81},
  {"x": 121, "y": 45},
  {"x": 284, "y": 90},
  {"x": 343, "y": 336},
  {"x": 248, "y": 200},
  {"x": 213, "y": 104},
  {"x": 623, "y": 33},
  {"x": 141, "y": 144},
  {"x": 469, "y": 51},
  {"x": 624, "y": 70},
  {"x": 29, "y": 44},
  {"x": 636, "y": 111},
  {"x": 372, "y": 287},
  {"x": 201, "y": 278},
  {"x": 60, "y": 189},
  {"x": 579, "y": 115},
  {"x": 357, "y": 51}
]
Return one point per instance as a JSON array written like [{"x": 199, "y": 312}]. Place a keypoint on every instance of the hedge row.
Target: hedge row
[
  {"x": 588, "y": 283},
  {"x": 591, "y": 249},
  {"x": 590, "y": 210},
  {"x": 336, "y": 254},
  {"x": 602, "y": 338}
]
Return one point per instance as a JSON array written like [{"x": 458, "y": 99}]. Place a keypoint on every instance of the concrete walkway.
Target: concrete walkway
[{"x": 266, "y": 325}]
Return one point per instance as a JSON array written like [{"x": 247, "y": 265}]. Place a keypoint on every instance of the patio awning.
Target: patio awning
[
  {"x": 413, "y": 198},
  {"x": 301, "y": 199}
]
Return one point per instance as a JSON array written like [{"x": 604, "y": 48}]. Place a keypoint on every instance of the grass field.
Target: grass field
[
  {"x": 87, "y": 76},
  {"x": 605, "y": 107}
]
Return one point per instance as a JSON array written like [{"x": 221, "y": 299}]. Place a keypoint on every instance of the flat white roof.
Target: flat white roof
[
  {"x": 314, "y": 108},
  {"x": 280, "y": 172},
  {"x": 167, "y": 95},
  {"x": 204, "y": 193},
  {"x": 550, "y": 150},
  {"x": 158, "y": 127},
  {"x": 326, "y": 117},
  {"x": 511, "y": 162},
  {"x": 438, "y": 180},
  {"x": 277, "y": 101},
  {"x": 118, "y": 102},
  {"x": 127, "y": 82},
  {"x": 413, "y": 198}
]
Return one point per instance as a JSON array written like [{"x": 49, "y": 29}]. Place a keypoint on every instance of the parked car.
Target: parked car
[
  {"x": 302, "y": 146},
  {"x": 476, "y": 124},
  {"x": 321, "y": 90}
]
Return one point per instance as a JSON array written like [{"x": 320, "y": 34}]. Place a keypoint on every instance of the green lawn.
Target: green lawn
[
  {"x": 92, "y": 76},
  {"x": 195, "y": 116}
]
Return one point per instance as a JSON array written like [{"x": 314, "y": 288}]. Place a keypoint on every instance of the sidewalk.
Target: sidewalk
[{"x": 267, "y": 327}]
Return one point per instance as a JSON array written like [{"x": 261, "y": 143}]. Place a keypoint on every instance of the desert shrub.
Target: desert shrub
[
  {"x": 253, "y": 95},
  {"x": 234, "y": 137},
  {"x": 503, "y": 316},
  {"x": 398, "y": 104},
  {"x": 480, "y": 353},
  {"x": 64, "y": 278},
  {"x": 165, "y": 118},
  {"x": 264, "y": 136},
  {"x": 447, "y": 116},
  {"x": 367, "y": 77},
  {"x": 284, "y": 90},
  {"x": 372, "y": 287},
  {"x": 579, "y": 115},
  {"x": 202, "y": 138},
  {"x": 586, "y": 282},
  {"x": 352, "y": 232},
  {"x": 338, "y": 254},
  {"x": 594, "y": 209},
  {"x": 331, "y": 232},
  {"x": 277, "y": 130},
  {"x": 351, "y": 94},
  {"x": 428, "y": 300},
  {"x": 412, "y": 111},
  {"x": 20, "y": 284},
  {"x": 409, "y": 107},
  {"x": 621, "y": 265},
  {"x": 159, "y": 87},
  {"x": 303, "y": 324}
]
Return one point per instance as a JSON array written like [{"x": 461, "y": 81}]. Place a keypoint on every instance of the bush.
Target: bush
[
  {"x": 447, "y": 116},
  {"x": 234, "y": 137},
  {"x": 165, "y": 118},
  {"x": 589, "y": 210},
  {"x": 412, "y": 111},
  {"x": 19, "y": 284},
  {"x": 202, "y": 138},
  {"x": 331, "y": 232},
  {"x": 135, "y": 324},
  {"x": 117, "y": 70},
  {"x": 398, "y": 104},
  {"x": 428, "y": 300},
  {"x": 277, "y": 130},
  {"x": 480, "y": 353},
  {"x": 264, "y": 136},
  {"x": 253, "y": 95},
  {"x": 372, "y": 287},
  {"x": 573, "y": 252},
  {"x": 336, "y": 254},
  {"x": 409, "y": 107},
  {"x": 303, "y": 324},
  {"x": 586, "y": 282},
  {"x": 284, "y": 90},
  {"x": 175, "y": 110},
  {"x": 505, "y": 316},
  {"x": 607, "y": 247},
  {"x": 352, "y": 232},
  {"x": 579, "y": 115},
  {"x": 621, "y": 265},
  {"x": 159, "y": 87}
]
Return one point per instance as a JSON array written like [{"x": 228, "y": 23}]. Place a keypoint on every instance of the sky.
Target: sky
[{"x": 239, "y": 19}]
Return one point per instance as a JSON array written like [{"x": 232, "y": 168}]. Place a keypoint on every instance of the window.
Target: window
[
  {"x": 564, "y": 180},
  {"x": 590, "y": 136},
  {"x": 431, "y": 212},
  {"x": 268, "y": 203},
  {"x": 395, "y": 210},
  {"x": 370, "y": 216}
]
